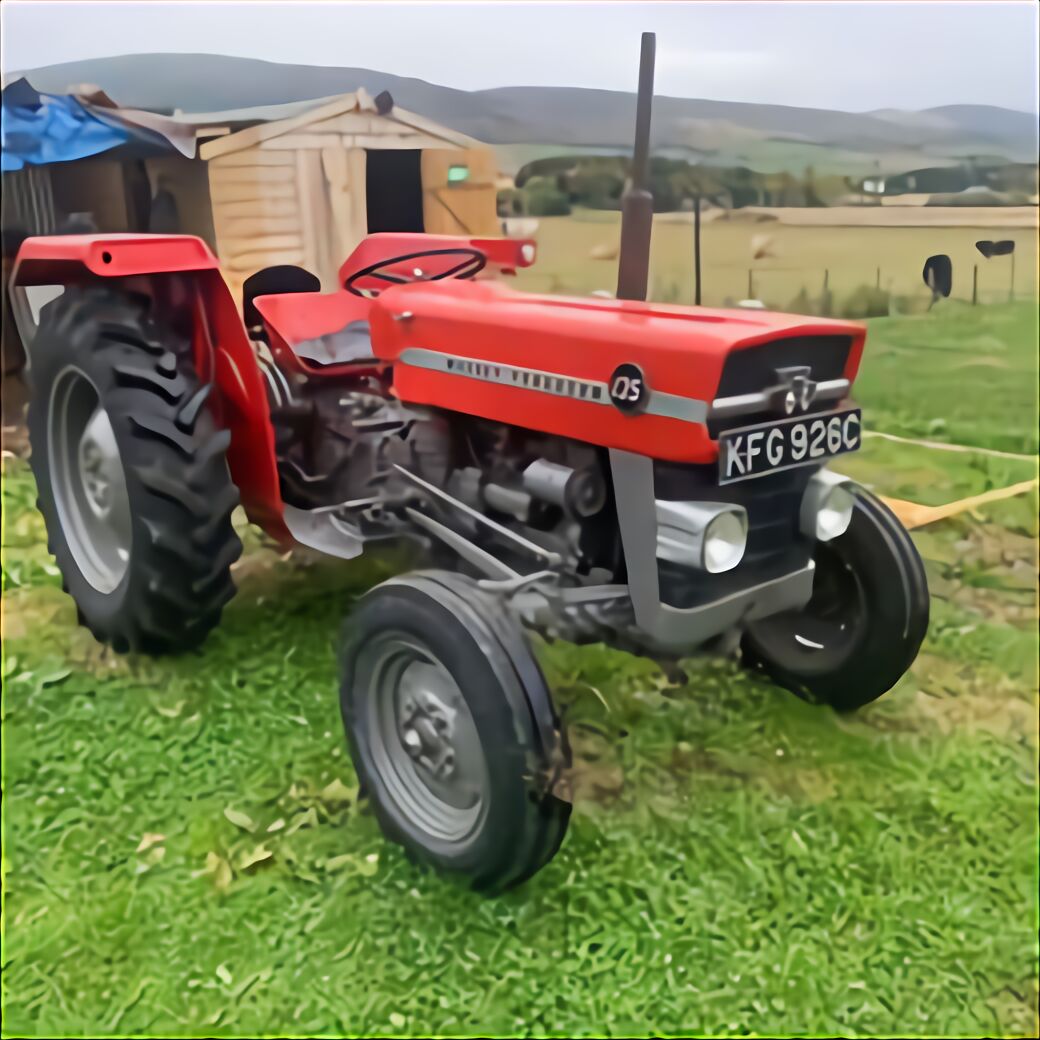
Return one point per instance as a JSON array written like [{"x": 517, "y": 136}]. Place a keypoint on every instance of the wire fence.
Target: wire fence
[{"x": 839, "y": 292}]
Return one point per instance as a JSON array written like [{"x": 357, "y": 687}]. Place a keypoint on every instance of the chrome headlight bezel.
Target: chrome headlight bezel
[
  {"x": 827, "y": 506},
  {"x": 707, "y": 536}
]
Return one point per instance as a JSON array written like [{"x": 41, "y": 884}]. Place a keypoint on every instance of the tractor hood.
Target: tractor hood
[{"x": 483, "y": 348}]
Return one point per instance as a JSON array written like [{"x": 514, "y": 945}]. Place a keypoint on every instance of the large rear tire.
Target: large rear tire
[
  {"x": 452, "y": 730},
  {"x": 860, "y": 632},
  {"x": 131, "y": 472}
]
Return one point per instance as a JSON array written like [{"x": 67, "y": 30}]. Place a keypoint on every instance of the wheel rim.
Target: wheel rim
[
  {"x": 823, "y": 634},
  {"x": 88, "y": 481},
  {"x": 424, "y": 741}
]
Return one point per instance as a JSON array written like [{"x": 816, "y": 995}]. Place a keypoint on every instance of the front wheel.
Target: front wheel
[
  {"x": 452, "y": 729},
  {"x": 860, "y": 632}
]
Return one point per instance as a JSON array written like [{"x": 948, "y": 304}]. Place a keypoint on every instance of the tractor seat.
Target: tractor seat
[
  {"x": 351, "y": 343},
  {"x": 321, "y": 329},
  {"x": 282, "y": 279}
]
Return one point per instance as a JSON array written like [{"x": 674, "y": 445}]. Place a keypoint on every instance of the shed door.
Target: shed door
[
  {"x": 393, "y": 183},
  {"x": 460, "y": 187}
]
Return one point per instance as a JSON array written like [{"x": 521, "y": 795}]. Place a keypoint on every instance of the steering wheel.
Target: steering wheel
[{"x": 473, "y": 261}]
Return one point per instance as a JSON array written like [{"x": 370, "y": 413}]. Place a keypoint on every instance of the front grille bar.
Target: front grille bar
[{"x": 762, "y": 400}]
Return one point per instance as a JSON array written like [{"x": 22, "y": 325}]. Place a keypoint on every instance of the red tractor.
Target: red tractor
[{"x": 597, "y": 470}]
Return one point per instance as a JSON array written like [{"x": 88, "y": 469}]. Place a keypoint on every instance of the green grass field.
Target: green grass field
[{"x": 185, "y": 852}]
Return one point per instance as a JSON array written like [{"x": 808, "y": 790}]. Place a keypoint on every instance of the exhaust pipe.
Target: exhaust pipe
[{"x": 637, "y": 204}]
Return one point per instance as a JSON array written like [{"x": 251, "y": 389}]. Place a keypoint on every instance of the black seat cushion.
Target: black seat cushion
[{"x": 351, "y": 343}]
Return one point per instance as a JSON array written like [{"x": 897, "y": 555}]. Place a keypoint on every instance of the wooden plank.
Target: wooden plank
[
  {"x": 443, "y": 133},
  {"x": 242, "y": 245},
  {"x": 254, "y": 135},
  {"x": 259, "y": 208},
  {"x": 393, "y": 141},
  {"x": 314, "y": 221},
  {"x": 251, "y": 175},
  {"x": 292, "y": 142},
  {"x": 348, "y": 123},
  {"x": 334, "y": 163},
  {"x": 356, "y": 174},
  {"x": 249, "y": 262},
  {"x": 245, "y": 227},
  {"x": 221, "y": 193},
  {"x": 250, "y": 158}
]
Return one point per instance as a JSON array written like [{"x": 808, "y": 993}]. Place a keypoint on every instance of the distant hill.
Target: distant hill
[{"x": 535, "y": 121}]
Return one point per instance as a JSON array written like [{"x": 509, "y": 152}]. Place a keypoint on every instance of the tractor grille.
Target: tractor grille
[
  {"x": 755, "y": 369},
  {"x": 774, "y": 545}
]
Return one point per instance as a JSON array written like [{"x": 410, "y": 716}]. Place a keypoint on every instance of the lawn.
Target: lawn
[{"x": 185, "y": 852}]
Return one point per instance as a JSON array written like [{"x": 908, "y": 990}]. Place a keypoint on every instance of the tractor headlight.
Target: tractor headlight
[
  {"x": 724, "y": 541},
  {"x": 710, "y": 536},
  {"x": 827, "y": 506}
]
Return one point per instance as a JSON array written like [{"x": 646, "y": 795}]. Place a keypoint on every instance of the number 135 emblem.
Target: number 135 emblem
[{"x": 628, "y": 390}]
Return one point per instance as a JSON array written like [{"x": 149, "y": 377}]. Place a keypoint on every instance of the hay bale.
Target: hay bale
[{"x": 761, "y": 247}]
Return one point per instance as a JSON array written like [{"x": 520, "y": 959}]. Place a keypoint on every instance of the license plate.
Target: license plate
[{"x": 754, "y": 451}]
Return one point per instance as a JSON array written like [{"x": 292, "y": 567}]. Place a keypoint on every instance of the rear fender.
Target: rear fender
[{"x": 182, "y": 277}]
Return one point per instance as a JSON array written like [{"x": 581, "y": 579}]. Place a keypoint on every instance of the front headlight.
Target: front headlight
[
  {"x": 710, "y": 536},
  {"x": 827, "y": 506},
  {"x": 724, "y": 541}
]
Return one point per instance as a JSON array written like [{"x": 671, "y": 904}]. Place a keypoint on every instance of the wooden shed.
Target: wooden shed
[{"x": 306, "y": 189}]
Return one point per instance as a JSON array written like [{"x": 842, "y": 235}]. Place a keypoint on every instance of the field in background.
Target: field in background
[
  {"x": 185, "y": 850},
  {"x": 801, "y": 255}
]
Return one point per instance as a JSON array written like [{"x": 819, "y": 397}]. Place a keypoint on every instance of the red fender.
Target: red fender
[{"x": 181, "y": 271}]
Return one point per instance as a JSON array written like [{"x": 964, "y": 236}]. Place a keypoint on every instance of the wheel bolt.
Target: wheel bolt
[{"x": 412, "y": 742}]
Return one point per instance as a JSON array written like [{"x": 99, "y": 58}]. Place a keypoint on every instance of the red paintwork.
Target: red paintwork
[
  {"x": 504, "y": 255},
  {"x": 111, "y": 256},
  {"x": 222, "y": 349},
  {"x": 681, "y": 351}
]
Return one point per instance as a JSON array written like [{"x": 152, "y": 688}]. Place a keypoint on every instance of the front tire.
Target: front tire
[
  {"x": 131, "y": 473},
  {"x": 860, "y": 632},
  {"x": 452, "y": 730}
]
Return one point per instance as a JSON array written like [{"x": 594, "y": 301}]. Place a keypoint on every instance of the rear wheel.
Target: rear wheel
[
  {"x": 867, "y": 618},
  {"x": 452, "y": 729},
  {"x": 131, "y": 472}
]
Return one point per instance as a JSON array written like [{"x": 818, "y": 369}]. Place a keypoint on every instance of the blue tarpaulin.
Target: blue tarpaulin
[{"x": 37, "y": 129}]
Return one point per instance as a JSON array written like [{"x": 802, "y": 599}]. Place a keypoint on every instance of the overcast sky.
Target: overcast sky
[{"x": 852, "y": 56}]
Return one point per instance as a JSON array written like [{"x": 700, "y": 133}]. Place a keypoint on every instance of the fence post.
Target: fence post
[
  {"x": 975, "y": 286},
  {"x": 750, "y": 285},
  {"x": 697, "y": 249},
  {"x": 877, "y": 280}
]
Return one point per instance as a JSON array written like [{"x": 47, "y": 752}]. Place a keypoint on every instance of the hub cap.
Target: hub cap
[
  {"x": 425, "y": 744},
  {"x": 88, "y": 481},
  {"x": 821, "y": 636}
]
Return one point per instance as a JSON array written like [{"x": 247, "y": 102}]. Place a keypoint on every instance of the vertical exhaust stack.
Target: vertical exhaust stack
[{"x": 637, "y": 204}]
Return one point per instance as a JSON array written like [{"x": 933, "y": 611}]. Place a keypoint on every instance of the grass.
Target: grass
[
  {"x": 185, "y": 852},
  {"x": 968, "y": 377},
  {"x": 799, "y": 256}
]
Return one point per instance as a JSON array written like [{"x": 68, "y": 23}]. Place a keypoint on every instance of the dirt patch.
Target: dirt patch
[{"x": 954, "y": 697}]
